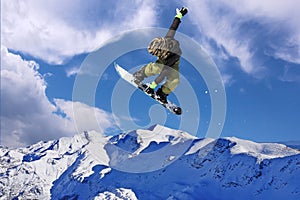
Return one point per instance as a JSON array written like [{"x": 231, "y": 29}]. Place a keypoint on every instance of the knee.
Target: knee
[
  {"x": 170, "y": 86},
  {"x": 152, "y": 69},
  {"x": 174, "y": 83}
]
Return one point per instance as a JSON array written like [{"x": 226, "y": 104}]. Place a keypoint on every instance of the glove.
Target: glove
[{"x": 180, "y": 13}]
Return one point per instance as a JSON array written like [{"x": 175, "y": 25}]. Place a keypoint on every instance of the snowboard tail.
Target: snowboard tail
[{"x": 142, "y": 86}]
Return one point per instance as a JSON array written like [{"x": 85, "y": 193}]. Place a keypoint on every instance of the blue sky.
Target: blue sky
[{"x": 45, "y": 46}]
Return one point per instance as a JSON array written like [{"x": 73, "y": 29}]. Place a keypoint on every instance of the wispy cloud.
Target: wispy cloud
[
  {"x": 72, "y": 71},
  {"x": 282, "y": 20},
  {"x": 249, "y": 31},
  {"x": 54, "y": 30}
]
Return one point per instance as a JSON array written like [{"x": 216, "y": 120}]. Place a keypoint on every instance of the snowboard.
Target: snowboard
[{"x": 130, "y": 79}]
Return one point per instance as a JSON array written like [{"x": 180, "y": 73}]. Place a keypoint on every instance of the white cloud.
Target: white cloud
[
  {"x": 54, "y": 30},
  {"x": 221, "y": 29},
  {"x": 143, "y": 15},
  {"x": 27, "y": 116},
  {"x": 277, "y": 12},
  {"x": 84, "y": 117},
  {"x": 24, "y": 105},
  {"x": 73, "y": 71},
  {"x": 276, "y": 9},
  {"x": 231, "y": 24},
  {"x": 284, "y": 52},
  {"x": 227, "y": 79}
]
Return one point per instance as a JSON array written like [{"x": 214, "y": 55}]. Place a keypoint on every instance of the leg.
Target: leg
[
  {"x": 153, "y": 69},
  {"x": 172, "y": 79},
  {"x": 148, "y": 70},
  {"x": 170, "y": 85}
]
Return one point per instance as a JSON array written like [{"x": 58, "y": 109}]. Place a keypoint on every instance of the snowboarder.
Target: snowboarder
[{"x": 167, "y": 65}]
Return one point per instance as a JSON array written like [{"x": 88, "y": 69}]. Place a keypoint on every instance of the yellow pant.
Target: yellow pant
[{"x": 171, "y": 74}]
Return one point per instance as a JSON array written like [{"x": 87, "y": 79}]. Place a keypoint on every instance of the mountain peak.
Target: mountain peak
[
  {"x": 158, "y": 162},
  {"x": 261, "y": 150}
]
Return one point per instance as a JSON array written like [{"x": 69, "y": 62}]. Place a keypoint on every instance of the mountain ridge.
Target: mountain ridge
[{"x": 158, "y": 163}]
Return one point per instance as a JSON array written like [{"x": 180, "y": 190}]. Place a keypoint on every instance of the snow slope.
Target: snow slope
[
  {"x": 292, "y": 144},
  {"x": 158, "y": 163}
]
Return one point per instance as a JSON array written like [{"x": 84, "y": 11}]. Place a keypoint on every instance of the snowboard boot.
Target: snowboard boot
[
  {"x": 161, "y": 96},
  {"x": 139, "y": 76},
  {"x": 149, "y": 91}
]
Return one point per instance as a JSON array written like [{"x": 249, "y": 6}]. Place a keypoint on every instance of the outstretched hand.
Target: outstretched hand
[{"x": 180, "y": 13}]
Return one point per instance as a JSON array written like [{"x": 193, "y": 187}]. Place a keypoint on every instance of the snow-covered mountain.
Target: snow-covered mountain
[
  {"x": 292, "y": 144},
  {"x": 158, "y": 163}
]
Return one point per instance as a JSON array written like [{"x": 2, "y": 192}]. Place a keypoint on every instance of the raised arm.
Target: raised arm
[{"x": 174, "y": 26}]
